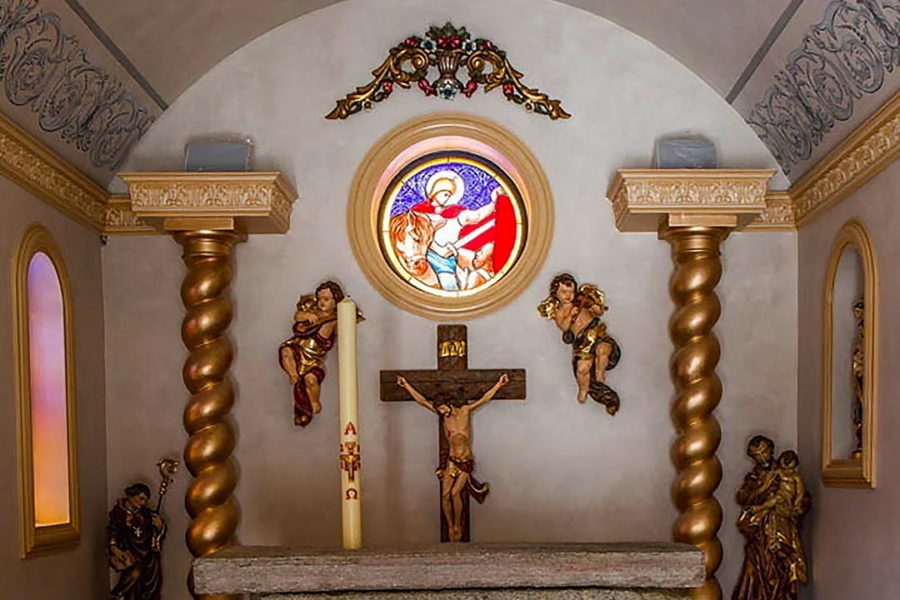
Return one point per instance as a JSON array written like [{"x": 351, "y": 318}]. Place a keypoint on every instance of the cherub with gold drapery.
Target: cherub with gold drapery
[
  {"x": 577, "y": 311},
  {"x": 303, "y": 356}
]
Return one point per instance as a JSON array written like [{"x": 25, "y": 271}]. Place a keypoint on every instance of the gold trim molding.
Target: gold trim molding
[
  {"x": 852, "y": 472},
  {"x": 778, "y": 215},
  {"x": 871, "y": 148},
  {"x": 36, "y": 168},
  {"x": 643, "y": 198},
  {"x": 463, "y": 132},
  {"x": 253, "y": 202},
  {"x": 39, "y": 170},
  {"x": 261, "y": 201},
  {"x": 35, "y": 540}
]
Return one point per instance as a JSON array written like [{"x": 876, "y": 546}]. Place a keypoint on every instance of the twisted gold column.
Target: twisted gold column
[
  {"x": 695, "y": 252},
  {"x": 207, "y": 454}
]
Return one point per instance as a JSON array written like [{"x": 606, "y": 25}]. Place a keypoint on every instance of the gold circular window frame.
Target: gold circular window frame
[
  {"x": 849, "y": 472},
  {"x": 389, "y": 155}
]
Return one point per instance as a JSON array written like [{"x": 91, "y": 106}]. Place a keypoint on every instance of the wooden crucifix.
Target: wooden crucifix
[{"x": 453, "y": 391}]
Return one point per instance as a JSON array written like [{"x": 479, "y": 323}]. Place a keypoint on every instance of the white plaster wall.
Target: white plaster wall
[
  {"x": 76, "y": 573},
  {"x": 559, "y": 471},
  {"x": 853, "y": 535}
]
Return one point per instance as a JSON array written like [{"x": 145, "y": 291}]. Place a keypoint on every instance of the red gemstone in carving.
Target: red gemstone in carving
[{"x": 426, "y": 87}]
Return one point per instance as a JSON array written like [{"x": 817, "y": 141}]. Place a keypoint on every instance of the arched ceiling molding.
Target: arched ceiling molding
[
  {"x": 110, "y": 67},
  {"x": 847, "y": 55}
]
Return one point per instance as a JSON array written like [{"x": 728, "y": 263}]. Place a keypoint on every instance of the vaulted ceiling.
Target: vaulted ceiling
[{"x": 87, "y": 77}]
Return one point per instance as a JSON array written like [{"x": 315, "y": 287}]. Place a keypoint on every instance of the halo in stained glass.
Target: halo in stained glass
[{"x": 452, "y": 224}]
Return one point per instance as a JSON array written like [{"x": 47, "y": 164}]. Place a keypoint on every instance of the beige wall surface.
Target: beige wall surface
[
  {"x": 79, "y": 573},
  {"x": 854, "y": 535},
  {"x": 559, "y": 470}
]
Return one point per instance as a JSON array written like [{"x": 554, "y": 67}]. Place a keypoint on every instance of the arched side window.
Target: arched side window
[{"x": 48, "y": 476}]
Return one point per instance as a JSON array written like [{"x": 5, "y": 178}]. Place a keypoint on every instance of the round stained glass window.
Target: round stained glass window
[
  {"x": 452, "y": 224},
  {"x": 450, "y": 216}
]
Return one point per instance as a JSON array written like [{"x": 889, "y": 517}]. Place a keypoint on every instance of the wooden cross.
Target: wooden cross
[{"x": 453, "y": 378}]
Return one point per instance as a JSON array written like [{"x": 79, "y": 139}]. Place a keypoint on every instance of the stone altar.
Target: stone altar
[{"x": 645, "y": 571}]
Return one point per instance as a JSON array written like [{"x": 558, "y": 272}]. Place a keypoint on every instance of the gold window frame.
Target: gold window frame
[
  {"x": 852, "y": 472},
  {"x": 390, "y": 154},
  {"x": 37, "y": 540}
]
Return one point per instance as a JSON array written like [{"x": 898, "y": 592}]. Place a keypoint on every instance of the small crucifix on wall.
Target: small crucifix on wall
[{"x": 453, "y": 392}]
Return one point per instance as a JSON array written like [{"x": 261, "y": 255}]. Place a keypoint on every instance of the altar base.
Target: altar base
[{"x": 457, "y": 572}]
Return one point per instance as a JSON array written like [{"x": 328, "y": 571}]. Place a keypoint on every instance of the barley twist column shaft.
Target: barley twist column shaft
[
  {"x": 207, "y": 453},
  {"x": 695, "y": 252}
]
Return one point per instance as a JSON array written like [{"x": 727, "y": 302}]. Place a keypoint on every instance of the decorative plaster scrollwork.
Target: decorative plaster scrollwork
[
  {"x": 26, "y": 162},
  {"x": 264, "y": 199},
  {"x": 843, "y": 57},
  {"x": 640, "y": 197},
  {"x": 119, "y": 219},
  {"x": 47, "y": 70},
  {"x": 778, "y": 215},
  {"x": 674, "y": 192},
  {"x": 873, "y": 147}
]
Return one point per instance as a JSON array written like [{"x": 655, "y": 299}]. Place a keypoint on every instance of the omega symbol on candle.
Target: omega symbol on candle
[{"x": 352, "y": 494}]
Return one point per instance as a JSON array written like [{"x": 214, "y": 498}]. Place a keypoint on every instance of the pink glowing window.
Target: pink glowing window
[{"x": 48, "y": 386}]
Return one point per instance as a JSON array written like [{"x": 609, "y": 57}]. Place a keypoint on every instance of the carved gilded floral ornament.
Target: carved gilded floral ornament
[{"x": 447, "y": 48}]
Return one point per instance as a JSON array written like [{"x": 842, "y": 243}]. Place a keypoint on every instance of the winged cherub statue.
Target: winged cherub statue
[{"x": 577, "y": 311}]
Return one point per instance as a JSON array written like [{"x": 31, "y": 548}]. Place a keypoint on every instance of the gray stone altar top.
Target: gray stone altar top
[{"x": 652, "y": 570}]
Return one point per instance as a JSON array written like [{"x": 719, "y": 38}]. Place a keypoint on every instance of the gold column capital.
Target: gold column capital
[
  {"x": 648, "y": 199},
  {"x": 250, "y": 201}
]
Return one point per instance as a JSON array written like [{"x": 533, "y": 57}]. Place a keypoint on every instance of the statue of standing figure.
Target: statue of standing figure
[
  {"x": 577, "y": 311},
  {"x": 135, "y": 534},
  {"x": 457, "y": 468},
  {"x": 857, "y": 377},
  {"x": 773, "y": 503}
]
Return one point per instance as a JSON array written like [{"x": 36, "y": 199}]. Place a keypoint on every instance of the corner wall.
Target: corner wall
[
  {"x": 78, "y": 573},
  {"x": 853, "y": 534}
]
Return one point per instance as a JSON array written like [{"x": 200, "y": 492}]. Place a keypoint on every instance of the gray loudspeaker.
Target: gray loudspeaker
[
  {"x": 218, "y": 155},
  {"x": 686, "y": 153}
]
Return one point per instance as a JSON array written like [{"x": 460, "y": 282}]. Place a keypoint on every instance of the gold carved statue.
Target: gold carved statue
[
  {"x": 857, "y": 378},
  {"x": 773, "y": 503},
  {"x": 577, "y": 311},
  {"x": 303, "y": 356},
  {"x": 456, "y": 470}
]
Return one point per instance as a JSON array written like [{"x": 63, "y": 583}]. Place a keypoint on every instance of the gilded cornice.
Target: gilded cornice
[
  {"x": 119, "y": 219},
  {"x": 778, "y": 215},
  {"x": 27, "y": 162},
  {"x": 42, "y": 172},
  {"x": 258, "y": 202},
  {"x": 853, "y": 162},
  {"x": 642, "y": 197}
]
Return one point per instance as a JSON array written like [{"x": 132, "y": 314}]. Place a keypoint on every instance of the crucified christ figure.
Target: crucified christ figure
[{"x": 456, "y": 471}]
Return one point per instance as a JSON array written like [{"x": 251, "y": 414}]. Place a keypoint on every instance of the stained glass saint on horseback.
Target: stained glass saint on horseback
[{"x": 452, "y": 224}]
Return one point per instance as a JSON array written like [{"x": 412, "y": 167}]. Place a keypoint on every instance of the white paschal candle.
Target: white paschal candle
[{"x": 350, "y": 475}]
